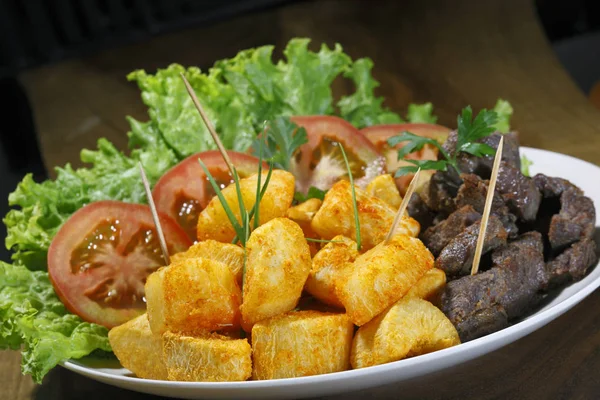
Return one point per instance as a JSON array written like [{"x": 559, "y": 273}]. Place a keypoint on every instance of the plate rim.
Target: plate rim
[{"x": 494, "y": 340}]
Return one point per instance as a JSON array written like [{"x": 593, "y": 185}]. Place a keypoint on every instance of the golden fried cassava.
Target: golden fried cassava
[
  {"x": 277, "y": 266},
  {"x": 138, "y": 349},
  {"x": 336, "y": 217},
  {"x": 381, "y": 276},
  {"x": 301, "y": 343},
  {"x": 384, "y": 187},
  {"x": 210, "y": 358},
  {"x": 302, "y": 214},
  {"x": 192, "y": 296},
  {"x": 410, "y": 327},
  {"x": 213, "y": 222},
  {"x": 429, "y": 286},
  {"x": 227, "y": 253},
  {"x": 327, "y": 267}
]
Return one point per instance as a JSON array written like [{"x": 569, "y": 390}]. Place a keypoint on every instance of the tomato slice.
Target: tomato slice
[
  {"x": 184, "y": 190},
  {"x": 100, "y": 258},
  {"x": 320, "y": 163},
  {"x": 379, "y": 134}
]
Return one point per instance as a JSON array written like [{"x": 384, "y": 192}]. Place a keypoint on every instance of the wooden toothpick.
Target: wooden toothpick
[
  {"x": 409, "y": 192},
  {"x": 208, "y": 124},
  {"x": 488, "y": 207},
  {"x": 159, "y": 231}
]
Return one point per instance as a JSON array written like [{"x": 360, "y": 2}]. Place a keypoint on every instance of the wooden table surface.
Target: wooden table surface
[{"x": 452, "y": 53}]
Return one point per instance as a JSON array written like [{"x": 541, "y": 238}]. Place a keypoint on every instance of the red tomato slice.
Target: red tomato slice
[
  {"x": 320, "y": 163},
  {"x": 379, "y": 134},
  {"x": 100, "y": 258},
  {"x": 184, "y": 190}
]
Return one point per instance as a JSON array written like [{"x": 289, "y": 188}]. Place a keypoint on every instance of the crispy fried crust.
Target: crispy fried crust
[
  {"x": 302, "y": 214},
  {"x": 327, "y": 267},
  {"x": 382, "y": 276},
  {"x": 410, "y": 327},
  {"x": 138, "y": 349},
  {"x": 192, "y": 296},
  {"x": 212, "y": 358},
  {"x": 213, "y": 222},
  {"x": 227, "y": 253},
  {"x": 336, "y": 217},
  {"x": 301, "y": 343},
  {"x": 429, "y": 286},
  {"x": 384, "y": 187},
  {"x": 277, "y": 266}
]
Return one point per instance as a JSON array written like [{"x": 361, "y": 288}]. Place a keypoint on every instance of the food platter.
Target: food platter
[{"x": 554, "y": 164}]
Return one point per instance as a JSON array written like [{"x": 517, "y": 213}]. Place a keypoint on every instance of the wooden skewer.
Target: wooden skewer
[
  {"x": 488, "y": 208},
  {"x": 208, "y": 124},
  {"x": 159, "y": 231},
  {"x": 409, "y": 192}
]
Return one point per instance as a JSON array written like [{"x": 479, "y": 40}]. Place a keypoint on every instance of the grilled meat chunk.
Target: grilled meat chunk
[
  {"x": 573, "y": 263},
  {"x": 418, "y": 210},
  {"x": 519, "y": 192},
  {"x": 576, "y": 219},
  {"x": 484, "y": 303},
  {"x": 440, "y": 191},
  {"x": 553, "y": 187},
  {"x": 482, "y": 166},
  {"x": 457, "y": 257},
  {"x": 473, "y": 192},
  {"x": 438, "y": 236}
]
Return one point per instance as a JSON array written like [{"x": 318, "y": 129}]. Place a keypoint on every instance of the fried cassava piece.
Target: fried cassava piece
[
  {"x": 192, "y": 296},
  {"x": 277, "y": 266},
  {"x": 138, "y": 349},
  {"x": 301, "y": 343},
  {"x": 409, "y": 328},
  {"x": 213, "y": 222}
]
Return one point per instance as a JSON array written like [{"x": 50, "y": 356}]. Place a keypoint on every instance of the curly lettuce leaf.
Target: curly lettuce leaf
[
  {"x": 33, "y": 318},
  {"x": 175, "y": 117},
  {"x": 504, "y": 111},
  {"x": 43, "y": 207},
  {"x": 298, "y": 85},
  {"x": 363, "y": 108},
  {"x": 421, "y": 113}
]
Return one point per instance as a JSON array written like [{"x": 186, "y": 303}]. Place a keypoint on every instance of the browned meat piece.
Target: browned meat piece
[
  {"x": 418, "y": 210},
  {"x": 485, "y": 303},
  {"x": 457, "y": 257},
  {"x": 438, "y": 236},
  {"x": 553, "y": 187},
  {"x": 576, "y": 219},
  {"x": 573, "y": 263},
  {"x": 519, "y": 192},
  {"x": 440, "y": 192},
  {"x": 482, "y": 166},
  {"x": 524, "y": 257},
  {"x": 473, "y": 192}
]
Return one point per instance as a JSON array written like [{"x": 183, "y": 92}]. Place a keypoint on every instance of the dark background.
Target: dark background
[{"x": 35, "y": 32}]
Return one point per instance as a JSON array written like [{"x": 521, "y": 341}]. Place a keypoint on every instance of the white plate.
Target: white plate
[{"x": 581, "y": 173}]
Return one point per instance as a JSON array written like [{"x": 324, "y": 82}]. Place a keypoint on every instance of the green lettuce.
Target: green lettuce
[
  {"x": 33, "y": 319},
  {"x": 42, "y": 208},
  {"x": 363, "y": 108},
  {"x": 421, "y": 113},
  {"x": 504, "y": 111}
]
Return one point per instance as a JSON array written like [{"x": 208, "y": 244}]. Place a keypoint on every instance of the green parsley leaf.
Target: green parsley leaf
[
  {"x": 469, "y": 131},
  {"x": 413, "y": 143},
  {"x": 313, "y": 193},
  {"x": 282, "y": 140},
  {"x": 438, "y": 165}
]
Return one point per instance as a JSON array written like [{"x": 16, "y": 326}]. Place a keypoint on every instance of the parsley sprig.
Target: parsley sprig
[
  {"x": 280, "y": 141},
  {"x": 468, "y": 133}
]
